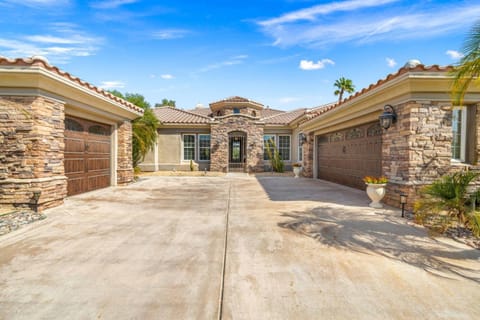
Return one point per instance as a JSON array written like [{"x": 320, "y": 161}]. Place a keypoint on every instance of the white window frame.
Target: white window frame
[
  {"x": 264, "y": 145},
  {"x": 209, "y": 147},
  {"x": 299, "y": 147},
  {"x": 463, "y": 133},
  {"x": 289, "y": 145},
  {"x": 194, "y": 146}
]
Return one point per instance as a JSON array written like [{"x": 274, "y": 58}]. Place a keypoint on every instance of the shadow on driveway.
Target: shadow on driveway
[
  {"x": 388, "y": 236},
  {"x": 302, "y": 189}
]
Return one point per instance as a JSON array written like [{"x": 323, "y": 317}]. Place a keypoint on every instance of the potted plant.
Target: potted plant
[
  {"x": 375, "y": 189},
  {"x": 297, "y": 168}
]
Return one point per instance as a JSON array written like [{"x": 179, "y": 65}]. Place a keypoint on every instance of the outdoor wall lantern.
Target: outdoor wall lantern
[
  {"x": 388, "y": 117},
  {"x": 403, "y": 202},
  {"x": 36, "y": 197},
  {"x": 303, "y": 138}
]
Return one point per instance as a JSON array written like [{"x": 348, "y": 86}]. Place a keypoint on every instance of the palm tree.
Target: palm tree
[
  {"x": 468, "y": 69},
  {"x": 144, "y": 128},
  {"x": 343, "y": 85},
  {"x": 144, "y": 135}
]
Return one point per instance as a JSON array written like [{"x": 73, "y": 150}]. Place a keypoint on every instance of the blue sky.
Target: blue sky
[{"x": 283, "y": 53}]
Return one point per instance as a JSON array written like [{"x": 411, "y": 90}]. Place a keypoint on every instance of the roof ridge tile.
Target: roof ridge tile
[{"x": 43, "y": 63}]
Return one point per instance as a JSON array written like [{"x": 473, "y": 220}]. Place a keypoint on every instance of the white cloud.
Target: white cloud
[
  {"x": 107, "y": 85},
  {"x": 111, "y": 4},
  {"x": 66, "y": 42},
  {"x": 315, "y": 27},
  {"x": 168, "y": 34},
  {"x": 391, "y": 62},
  {"x": 310, "y": 65},
  {"x": 455, "y": 55},
  {"x": 166, "y": 76},
  {"x": 38, "y": 3},
  {"x": 311, "y": 13},
  {"x": 229, "y": 62}
]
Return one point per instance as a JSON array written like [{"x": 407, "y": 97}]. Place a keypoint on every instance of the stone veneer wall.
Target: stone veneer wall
[
  {"x": 219, "y": 142},
  {"x": 308, "y": 157},
  {"x": 31, "y": 151},
  {"x": 416, "y": 150},
  {"x": 124, "y": 153}
]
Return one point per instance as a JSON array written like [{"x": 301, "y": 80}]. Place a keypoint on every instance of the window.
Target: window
[
  {"x": 459, "y": 131},
  {"x": 204, "y": 147},
  {"x": 270, "y": 139},
  {"x": 236, "y": 110},
  {"x": 101, "y": 130},
  {"x": 188, "y": 147},
  {"x": 73, "y": 125},
  {"x": 284, "y": 147},
  {"x": 300, "y": 147}
]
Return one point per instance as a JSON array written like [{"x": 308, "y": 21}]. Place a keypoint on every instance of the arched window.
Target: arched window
[
  {"x": 236, "y": 110},
  {"x": 101, "y": 130},
  {"x": 73, "y": 125},
  {"x": 254, "y": 113},
  {"x": 219, "y": 113}
]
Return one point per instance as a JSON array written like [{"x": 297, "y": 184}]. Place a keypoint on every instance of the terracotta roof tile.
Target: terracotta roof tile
[
  {"x": 206, "y": 112},
  {"x": 235, "y": 99},
  {"x": 390, "y": 77},
  {"x": 41, "y": 62},
  {"x": 168, "y": 115},
  {"x": 268, "y": 112},
  {"x": 285, "y": 117}
]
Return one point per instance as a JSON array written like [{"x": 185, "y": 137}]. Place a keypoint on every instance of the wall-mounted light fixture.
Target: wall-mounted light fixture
[
  {"x": 36, "y": 198},
  {"x": 388, "y": 117},
  {"x": 302, "y": 138},
  {"x": 403, "y": 202}
]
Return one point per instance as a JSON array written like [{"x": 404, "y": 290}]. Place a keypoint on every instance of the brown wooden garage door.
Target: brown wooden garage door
[
  {"x": 87, "y": 155},
  {"x": 347, "y": 156}
]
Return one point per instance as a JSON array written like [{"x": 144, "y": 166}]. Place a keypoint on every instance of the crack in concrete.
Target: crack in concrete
[{"x": 225, "y": 247}]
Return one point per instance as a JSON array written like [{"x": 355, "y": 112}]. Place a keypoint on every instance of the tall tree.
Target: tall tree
[
  {"x": 468, "y": 70},
  {"x": 343, "y": 85},
  {"x": 166, "y": 102},
  {"x": 144, "y": 128}
]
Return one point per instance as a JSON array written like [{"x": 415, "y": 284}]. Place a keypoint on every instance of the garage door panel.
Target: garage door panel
[
  {"x": 87, "y": 155},
  {"x": 76, "y": 185},
  {"x": 74, "y": 145},
  {"x": 98, "y": 181},
  {"x": 97, "y": 164},
  {"x": 74, "y": 166},
  {"x": 97, "y": 146},
  {"x": 347, "y": 156}
]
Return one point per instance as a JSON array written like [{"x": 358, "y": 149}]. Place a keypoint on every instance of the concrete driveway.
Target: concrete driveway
[{"x": 232, "y": 248}]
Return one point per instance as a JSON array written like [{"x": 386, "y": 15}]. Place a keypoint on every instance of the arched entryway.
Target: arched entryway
[{"x": 237, "y": 155}]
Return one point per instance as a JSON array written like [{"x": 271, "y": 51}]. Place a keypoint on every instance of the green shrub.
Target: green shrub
[
  {"x": 274, "y": 156},
  {"x": 447, "y": 203}
]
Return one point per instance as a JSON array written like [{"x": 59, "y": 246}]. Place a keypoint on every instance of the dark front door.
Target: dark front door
[
  {"x": 236, "y": 152},
  {"x": 87, "y": 155},
  {"x": 347, "y": 156}
]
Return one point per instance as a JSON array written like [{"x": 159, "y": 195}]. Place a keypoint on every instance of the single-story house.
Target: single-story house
[
  {"x": 230, "y": 135},
  {"x": 59, "y": 135},
  {"x": 340, "y": 142}
]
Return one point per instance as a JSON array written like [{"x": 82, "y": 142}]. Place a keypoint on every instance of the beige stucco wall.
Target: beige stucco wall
[
  {"x": 169, "y": 148},
  {"x": 167, "y": 154}
]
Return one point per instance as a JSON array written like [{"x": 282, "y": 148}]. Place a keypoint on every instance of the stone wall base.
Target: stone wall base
[
  {"x": 18, "y": 193},
  {"x": 392, "y": 197},
  {"x": 124, "y": 176}
]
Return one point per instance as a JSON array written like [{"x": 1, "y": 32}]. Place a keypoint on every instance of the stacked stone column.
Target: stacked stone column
[
  {"x": 124, "y": 153},
  {"x": 31, "y": 151}
]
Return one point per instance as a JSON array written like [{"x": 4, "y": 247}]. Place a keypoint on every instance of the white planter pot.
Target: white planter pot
[
  {"x": 296, "y": 171},
  {"x": 376, "y": 192}
]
